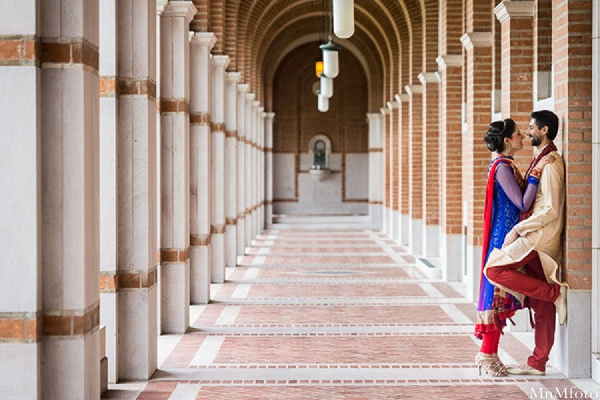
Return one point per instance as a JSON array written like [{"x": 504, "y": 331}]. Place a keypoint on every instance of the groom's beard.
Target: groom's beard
[{"x": 535, "y": 141}]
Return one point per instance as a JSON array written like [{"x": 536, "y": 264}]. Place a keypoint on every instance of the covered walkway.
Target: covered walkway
[{"x": 335, "y": 310}]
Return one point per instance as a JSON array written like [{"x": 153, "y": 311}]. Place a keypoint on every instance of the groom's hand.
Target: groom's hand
[{"x": 510, "y": 237}]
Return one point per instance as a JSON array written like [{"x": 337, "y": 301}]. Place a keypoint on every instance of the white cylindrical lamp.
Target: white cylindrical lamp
[
  {"x": 331, "y": 66},
  {"x": 343, "y": 18},
  {"x": 322, "y": 102},
  {"x": 326, "y": 86}
]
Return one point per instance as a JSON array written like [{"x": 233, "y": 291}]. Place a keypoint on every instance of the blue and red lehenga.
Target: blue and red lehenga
[{"x": 495, "y": 306}]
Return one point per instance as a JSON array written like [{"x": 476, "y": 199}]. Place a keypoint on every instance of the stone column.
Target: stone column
[
  {"x": 137, "y": 217},
  {"x": 269, "y": 170},
  {"x": 249, "y": 117},
  {"x": 70, "y": 198},
  {"x": 175, "y": 167},
  {"x": 403, "y": 100},
  {"x": 109, "y": 296},
  {"x": 242, "y": 166},
  {"x": 217, "y": 128},
  {"x": 231, "y": 170},
  {"x": 392, "y": 109},
  {"x": 415, "y": 168},
  {"x": 386, "y": 170},
  {"x": 451, "y": 249},
  {"x": 478, "y": 46},
  {"x": 375, "y": 168},
  {"x": 200, "y": 167},
  {"x": 20, "y": 174},
  {"x": 260, "y": 170},
  {"x": 431, "y": 235},
  {"x": 256, "y": 122}
]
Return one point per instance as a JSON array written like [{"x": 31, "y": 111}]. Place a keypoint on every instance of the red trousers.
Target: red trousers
[{"x": 541, "y": 296}]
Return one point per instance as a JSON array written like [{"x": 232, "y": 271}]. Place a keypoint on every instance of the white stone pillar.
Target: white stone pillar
[
  {"x": 376, "y": 169},
  {"x": 260, "y": 171},
  {"x": 249, "y": 117},
  {"x": 137, "y": 188},
  {"x": 217, "y": 127},
  {"x": 108, "y": 182},
  {"x": 200, "y": 166},
  {"x": 231, "y": 170},
  {"x": 269, "y": 169},
  {"x": 70, "y": 199},
  {"x": 242, "y": 166},
  {"x": 257, "y": 111},
  {"x": 20, "y": 174},
  {"x": 387, "y": 213},
  {"x": 175, "y": 166}
]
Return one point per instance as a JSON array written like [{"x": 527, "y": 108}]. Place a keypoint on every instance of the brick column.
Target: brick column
[
  {"x": 572, "y": 47},
  {"x": 431, "y": 167},
  {"x": 269, "y": 169},
  {"x": 476, "y": 157},
  {"x": 256, "y": 123},
  {"x": 451, "y": 249},
  {"x": 70, "y": 199},
  {"x": 20, "y": 173},
  {"x": 217, "y": 127},
  {"x": 242, "y": 166},
  {"x": 596, "y": 192},
  {"x": 387, "y": 159},
  {"x": 175, "y": 167},
  {"x": 403, "y": 169},
  {"x": 261, "y": 170},
  {"x": 200, "y": 167},
  {"x": 137, "y": 187},
  {"x": 415, "y": 168},
  {"x": 231, "y": 169},
  {"x": 394, "y": 225},
  {"x": 249, "y": 117},
  {"x": 376, "y": 167}
]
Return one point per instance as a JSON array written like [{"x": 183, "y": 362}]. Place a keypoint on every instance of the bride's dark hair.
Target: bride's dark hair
[{"x": 497, "y": 131}]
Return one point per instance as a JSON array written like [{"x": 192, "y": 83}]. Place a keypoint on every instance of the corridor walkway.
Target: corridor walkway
[{"x": 333, "y": 312}]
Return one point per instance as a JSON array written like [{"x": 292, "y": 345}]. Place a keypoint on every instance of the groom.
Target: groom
[{"x": 526, "y": 266}]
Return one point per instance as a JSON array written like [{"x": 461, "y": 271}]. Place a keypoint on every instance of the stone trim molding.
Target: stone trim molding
[
  {"x": 402, "y": 97},
  {"x": 231, "y": 134},
  {"x": 413, "y": 89},
  {"x": 428, "y": 77},
  {"x": 476, "y": 39},
  {"x": 200, "y": 239},
  {"x": 136, "y": 87},
  {"x": 231, "y": 221},
  {"x": 514, "y": 9},
  {"x": 217, "y": 229},
  {"x": 174, "y": 255},
  {"x": 449, "y": 60},
  {"x": 200, "y": 118},
  {"x": 217, "y": 127},
  {"x": 114, "y": 281}
]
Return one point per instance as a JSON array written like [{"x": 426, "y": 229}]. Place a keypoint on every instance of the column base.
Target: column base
[
  {"x": 231, "y": 244},
  {"x": 200, "y": 275},
  {"x": 175, "y": 297},
  {"x": 217, "y": 247},
  {"x": 241, "y": 237},
  {"x": 429, "y": 267},
  {"x": 416, "y": 235},
  {"x": 452, "y": 257},
  {"x": 21, "y": 362}
]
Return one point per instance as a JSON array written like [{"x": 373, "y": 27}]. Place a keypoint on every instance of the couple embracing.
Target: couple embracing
[{"x": 523, "y": 222}]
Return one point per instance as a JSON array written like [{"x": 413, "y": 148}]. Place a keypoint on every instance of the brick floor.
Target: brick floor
[{"x": 334, "y": 314}]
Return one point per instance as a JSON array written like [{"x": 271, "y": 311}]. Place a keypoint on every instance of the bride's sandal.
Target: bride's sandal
[{"x": 491, "y": 364}]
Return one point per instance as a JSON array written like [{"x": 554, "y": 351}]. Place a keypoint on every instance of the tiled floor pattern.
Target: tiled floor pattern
[{"x": 346, "y": 314}]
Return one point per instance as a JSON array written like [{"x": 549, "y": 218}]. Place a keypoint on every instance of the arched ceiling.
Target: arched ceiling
[{"x": 387, "y": 33}]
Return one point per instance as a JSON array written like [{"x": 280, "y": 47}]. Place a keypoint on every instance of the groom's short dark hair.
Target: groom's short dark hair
[{"x": 546, "y": 118}]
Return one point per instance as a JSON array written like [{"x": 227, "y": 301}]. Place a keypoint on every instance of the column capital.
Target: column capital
[
  {"x": 428, "y": 77},
  {"x": 384, "y": 111},
  {"x": 233, "y": 76},
  {"x": 243, "y": 88},
  {"x": 183, "y": 9},
  {"x": 391, "y": 105},
  {"x": 250, "y": 96},
  {"x": 220, "y": 60},
  {"x": 204, "y": 38},
  {"x": 476, "y": 39},
  {"x": 514, "y": 9},
  {"x": 402, "y": 98},
  {"x": 160, "y": 6},
  {"x": 449, "y": 60},
  {"x": 374, "y": 116},
  {"x": 270, "y": 116},
  {"x": 256, "y": 104},
  {"x": 413, "y": 89}
]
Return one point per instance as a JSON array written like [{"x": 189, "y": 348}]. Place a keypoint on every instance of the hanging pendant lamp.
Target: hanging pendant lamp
[
  {"x": 343, "y": 18},
  {"x": 330, "y": 59},
  {"x": 326, "y": 86},
  {"x": 322, "y": 102}
]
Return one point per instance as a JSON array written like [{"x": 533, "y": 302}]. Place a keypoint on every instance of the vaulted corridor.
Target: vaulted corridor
[{"x": 333, "y": 309}]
